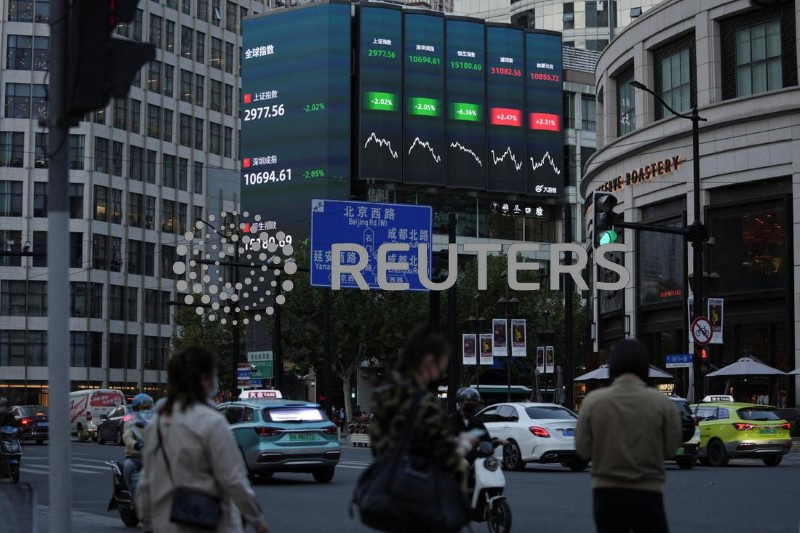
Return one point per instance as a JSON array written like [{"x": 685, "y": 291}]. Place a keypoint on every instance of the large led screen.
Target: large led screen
[
  {"x": 544, "y": 108},
  {"x": 423, "y": 129},
  {"x": 466, "y": 104},
  {"x": 295, "y": 141},
  {"x": 505, "y": 88},
  {"x": 380, "y": 67}
]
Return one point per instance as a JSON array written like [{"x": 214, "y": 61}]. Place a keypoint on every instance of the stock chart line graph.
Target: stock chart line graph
[
  {"x": 380, "y": 142},
  {"x": 427, "y": 145},
  {"x": 508, "y": 153},
  {"x": 546, "y": 158},
  {"x": 459, "y": 146}
]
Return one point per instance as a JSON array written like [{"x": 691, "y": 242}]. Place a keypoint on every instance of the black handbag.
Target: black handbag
[
  {"x": 401, "y": 492},
  {"x": 191, "y": 507}
]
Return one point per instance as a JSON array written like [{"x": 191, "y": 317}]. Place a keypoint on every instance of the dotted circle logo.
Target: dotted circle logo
[{"x": 262, "y": 261}]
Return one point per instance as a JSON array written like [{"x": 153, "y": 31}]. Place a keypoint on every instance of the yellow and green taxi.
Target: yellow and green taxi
[{"x": 741, "y": 430}]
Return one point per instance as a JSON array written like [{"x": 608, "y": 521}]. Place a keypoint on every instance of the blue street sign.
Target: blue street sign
[
  {"x": 369, "y": 225},
  {"x": 681, "y": 360},
  {"x": 256, "y": 382}
]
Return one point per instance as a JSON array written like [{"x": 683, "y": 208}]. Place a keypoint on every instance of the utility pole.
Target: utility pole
[{"x": 60, "y": 480}]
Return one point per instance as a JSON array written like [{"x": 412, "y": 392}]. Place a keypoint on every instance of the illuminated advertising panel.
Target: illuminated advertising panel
[
  {"x": 505, "y": 88},
  {"x": 380, "y": 143},
  {"x": 295, "y": 140},
  {"x": 466, "y": 104},
  {"x": 424, "y": 148},
  {"x": 544, "y": 109}
]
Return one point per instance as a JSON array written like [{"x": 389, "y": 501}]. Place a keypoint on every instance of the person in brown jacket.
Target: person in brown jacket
[{"x": 627, "y": 430}]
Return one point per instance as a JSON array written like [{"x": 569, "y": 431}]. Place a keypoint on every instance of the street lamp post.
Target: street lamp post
[
  {"x": 509, "y": 307},
  {"x": 697, "y": 230}
]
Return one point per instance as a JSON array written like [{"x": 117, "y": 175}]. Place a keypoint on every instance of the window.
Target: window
[
  {"x": 28, "y": 11},
  {"x": 10, "y": 241},
  {"x": 116, "y": 350},
  {"x": 116, "y": 206},
  {"x": 76, "y": 150},
  {"x": 229, "y": 58},
  {"x": 186, "y": 7},
  {"x": 185, "y": 130},
  {"x": 227, "y": 147},
  {"x": 115, "y": 263},
  {"x": 759, "y": 62},
  {"x": 154, "y": 76},
  {"x": 202, "y": 9},
  {"x": 626, "y": 105},
  {"x": 13, "y": 298},
  {"x": 136, "y": 121},
  {"x": 12, "y": 148},
  {"x": 597, "y": 13},
  {"x": 86, "y": 299},
  {"x": 169, "y": 80},
  {"x": 116, "y": 302},
  {"x": 200, "y": 47},
  {"x": 169, "y": 37},
  {"x": 153, "y": 121},
  {"x": 76, "y": 200},
  {"x": 116, "y": 158},
  {"x": 149, "y": 259},
  {"x": 40, "y": 199},
  {"x": 100, "y": 154},
  {"x": 186, "y": 86},
  {"x": 18, "y": 52},
  {"x": 155, "y": 30},
  {"x": 183, "y": 211},
  {"x": 36, "y": 348},
  {"x": 228, "y": 99},
  {"x": 168, "y": 171},
  {"x": 661, "y": 270},
  {"x": 76, "y": 250},
  {"x": 216, "y": 13},
  {"x": 199, "y": 90},
  {"x": 168, "y": 216},
  {"x": 136, "y": 162},
  {"x": 151, "y": 306},
  {"x": 98, "y": 116},
  {"x": 215, "y": 139},
  {"x": 149, "y": 213},
  {"x": 183, "y": 174},
  {"x": 40, "y": 249},
  {"x": 588, "y": 113},
  {"x": 135, "y": 210},
  {"x": 186, "y": 41},
  {"x": 230, "y": 16},
  {"x": 151, "y": 166},
  {"x": 596, "y": 45},
  {"x": 198, "y": 133},
  {"x": 138, "y": 25},
  {"x": 10, "y": 199},
  {"x": 18, "y": 100},
  {"x": 168, "y": 258},
  {"x": 197, "y": 179},
  {"x": 121, "y": 113},
  {"x": 40, "y": 150},
  {"x": 100, "y": 252},
  {"x": 569, "y": 110},
  {"x": 100, "y": 203},
  {"x": 216, "y": 53},
  {"x": 167, "y": 131},
  {"x": 86, "y": 349},
  {"x": 215, "y": 98},
  {"x": 12, "y": 347},
  {"x": 198, "y": 212},
  {"x": 569, "y": 15}
]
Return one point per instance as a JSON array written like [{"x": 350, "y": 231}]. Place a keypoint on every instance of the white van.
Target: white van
[{"x": 87, "y": 407}]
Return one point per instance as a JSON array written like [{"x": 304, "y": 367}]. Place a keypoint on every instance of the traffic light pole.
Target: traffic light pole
[{"x": 60, "y": 479}]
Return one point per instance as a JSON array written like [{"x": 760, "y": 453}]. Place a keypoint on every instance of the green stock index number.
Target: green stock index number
[
  {"x": 425, "y": 59},
  {"x": 388, "y": 54}
]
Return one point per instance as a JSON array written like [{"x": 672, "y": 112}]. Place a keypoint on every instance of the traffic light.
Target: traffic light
[
  {"x": 604, "y": 218},
  {"x": 703, "y": 354},
  {"x": 100, "y": 66}
]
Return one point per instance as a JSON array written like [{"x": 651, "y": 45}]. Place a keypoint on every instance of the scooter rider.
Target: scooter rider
[
  {"x": 6, "y": 418},
  {"x": 464, "y": 419},
  {"x": 142, "y": 406}
]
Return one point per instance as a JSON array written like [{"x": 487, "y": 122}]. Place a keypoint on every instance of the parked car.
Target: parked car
[
  {"x": 280, "y": 435},
  {"x": 32, "y": 422},
  {"x": 87, "y": 408},
  {"x": 686, "y": 456},
  {"x": 112, "y": 425},
  {"x": 741, "y": 430},
  {"x": 537, "y": 432}
]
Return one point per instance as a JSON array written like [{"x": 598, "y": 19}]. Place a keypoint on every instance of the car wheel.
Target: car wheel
[
  {"x": 512, "y": 457},
  {"x": 686, "y": 462},
  {"x": 576, "y": 465},
  {"x": 716, "y": 453},
  {"x": 119, "y": 440},
  {"x": 324, "y": 475},
  {"x": 773, "y": 460}
]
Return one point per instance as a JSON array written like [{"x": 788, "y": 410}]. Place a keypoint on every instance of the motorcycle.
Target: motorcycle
[
  {"x": 487, "y": 502},
  {"x": 122, "y": 496},
  {"x": 10, "y": 453}
]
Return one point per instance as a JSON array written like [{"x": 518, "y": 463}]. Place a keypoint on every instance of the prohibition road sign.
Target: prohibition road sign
[{"x": 701, "y": 330}]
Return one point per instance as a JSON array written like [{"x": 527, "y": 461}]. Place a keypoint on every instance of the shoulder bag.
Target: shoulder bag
[
  {"x": 402, "y": 492},
  {"x": 190, "y": 507}
]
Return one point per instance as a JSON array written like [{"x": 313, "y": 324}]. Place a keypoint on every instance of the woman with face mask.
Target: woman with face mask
[{"x": 188, "y": 447}]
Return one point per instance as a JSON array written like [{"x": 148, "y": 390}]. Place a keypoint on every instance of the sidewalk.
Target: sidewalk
[{"x": 80, "y": 521}]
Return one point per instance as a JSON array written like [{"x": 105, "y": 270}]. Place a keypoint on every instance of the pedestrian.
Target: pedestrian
[
  {"x": 421, "y": 365},
  {"x": 187, "y": 454},
  {"x": 342, "y": 417},
  {"x": 627, "y": 430}
]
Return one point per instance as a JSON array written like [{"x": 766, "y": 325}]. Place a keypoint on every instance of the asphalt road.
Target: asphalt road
[{"x": 746, "y": 496}]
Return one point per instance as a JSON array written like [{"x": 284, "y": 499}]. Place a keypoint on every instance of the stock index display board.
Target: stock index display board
[{"x": 295, "y": 138}]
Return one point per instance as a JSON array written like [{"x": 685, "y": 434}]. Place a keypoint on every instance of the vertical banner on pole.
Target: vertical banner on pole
[
  {"x": 487, "y": 359},
  {"x": 468, "y": 349},
  {"x": 549, "y": 362},
  {"x": 690, "y": 303},
  {"x": 499, "y": 337},
  {"x": 518, "y": 338},
  {"x": 540, "y": 359},
  {"x": 715, "y": 307}
]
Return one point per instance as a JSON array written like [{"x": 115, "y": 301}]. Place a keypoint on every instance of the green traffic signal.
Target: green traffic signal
[{"x": 608, "y": 237}]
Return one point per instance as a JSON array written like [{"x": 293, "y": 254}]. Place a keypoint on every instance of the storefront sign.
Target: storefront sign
[{"x": 642, "y": 174}]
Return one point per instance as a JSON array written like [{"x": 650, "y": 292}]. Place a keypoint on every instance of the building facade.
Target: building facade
[
  {"x": 141, "y": 171},
  {"x": 738, "y": 63}
]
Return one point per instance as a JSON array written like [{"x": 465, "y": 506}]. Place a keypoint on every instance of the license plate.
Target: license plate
[
  {"x": 301, "y": 436},
  {"x": 570, "y": 432},
  {"x": 42, "y": 424},
  {"x": 767, "y": 431}
]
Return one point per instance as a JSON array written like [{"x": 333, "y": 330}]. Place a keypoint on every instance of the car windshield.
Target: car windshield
[
  {"x": 33, "y": 410},
  {"x": 754, "y": 413},
  {"x": 550, "y": 413},
  {"x": 294, "y": 414},
  {"x": 683, "y": 406}
]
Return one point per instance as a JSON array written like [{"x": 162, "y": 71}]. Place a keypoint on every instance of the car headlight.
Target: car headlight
[{"x": 491, "y": 463}]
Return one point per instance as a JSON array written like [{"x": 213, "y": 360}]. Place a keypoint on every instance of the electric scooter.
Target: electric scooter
[
  {"x": 122, "y": 498},
  {"x": 10, "y": 453},
  {"x": 487, "y": 501}
]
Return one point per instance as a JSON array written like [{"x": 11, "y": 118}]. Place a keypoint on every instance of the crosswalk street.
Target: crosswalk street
[
  {"x": 39, "y": 466},
  {"x": 356, "y": 465}
]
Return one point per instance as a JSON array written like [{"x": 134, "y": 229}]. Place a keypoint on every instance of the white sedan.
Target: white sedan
[{"x": 536, "y": 433}]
